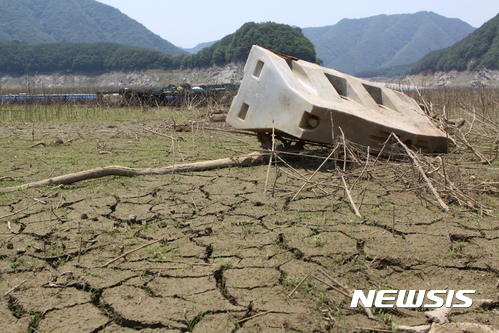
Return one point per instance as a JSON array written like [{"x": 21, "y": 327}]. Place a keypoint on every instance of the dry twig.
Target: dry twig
[
  {"x": 22, "y": 209},
  {"x": 298, "y": 285},
  {"x": 272, "y": 154},
  {"x": 315, "y": 172},
  {"x": 347, "y": 191},
  {"x": 342, "y": 290},
  {"x": 131, "y": 251},
  {"x": 254, "y": 316},
  {"x": 423, "y": 174},
  {"x": 14, "y": 289},
  {"x": 478, "y": 154}
]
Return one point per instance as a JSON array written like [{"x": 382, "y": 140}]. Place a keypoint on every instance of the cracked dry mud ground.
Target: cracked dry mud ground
[{"x": 226, "y": 250}]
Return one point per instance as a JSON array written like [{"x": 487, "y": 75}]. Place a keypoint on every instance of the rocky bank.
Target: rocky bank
[{"x": 232, "y": 73}]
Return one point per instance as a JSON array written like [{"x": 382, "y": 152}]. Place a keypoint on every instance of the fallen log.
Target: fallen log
[{"x": 116, "y": 170}]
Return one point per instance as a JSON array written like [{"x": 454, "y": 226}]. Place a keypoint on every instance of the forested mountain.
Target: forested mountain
[
  {"x": 235, "y": 47},
  {"x": 86, "y": 35},
  {"x": 19, "y": 58},
  {"x": 478, "y": 50},
  {"x": 22, "y": 58},
  {"x": 353, "y": 45},
  {"x": 75, "y": 21}
]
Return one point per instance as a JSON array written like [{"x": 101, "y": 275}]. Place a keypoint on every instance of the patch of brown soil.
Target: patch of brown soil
[{"x": 228, "y": 255}]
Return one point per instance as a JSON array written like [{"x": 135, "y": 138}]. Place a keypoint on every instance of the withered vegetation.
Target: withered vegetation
[{"x": 275, "y": 247}]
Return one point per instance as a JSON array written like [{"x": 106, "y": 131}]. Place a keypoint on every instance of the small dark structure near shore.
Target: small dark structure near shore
[{"x": 183, "y": 94}]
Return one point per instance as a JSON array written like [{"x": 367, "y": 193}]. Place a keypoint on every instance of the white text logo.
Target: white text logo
[{"x": 412, "y": 298}]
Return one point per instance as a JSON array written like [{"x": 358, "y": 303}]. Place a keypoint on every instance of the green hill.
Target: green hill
[
  {"x": 235, "y": 47},
  {"x": 478, "y": 50},
  {"x": 353, "y": 45},
  {"x": 75, "y": 21}
]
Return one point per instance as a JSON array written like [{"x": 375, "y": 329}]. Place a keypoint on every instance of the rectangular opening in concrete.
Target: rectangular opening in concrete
[
  {"x": 339, "y": 84},
  {"x": 300, "y": 73},
  {"x": 258, "y": 69},
  {"x": 243, "y": 111},
  {"x": 380, "y": 97},
  {"x": 375, "y": 92}
]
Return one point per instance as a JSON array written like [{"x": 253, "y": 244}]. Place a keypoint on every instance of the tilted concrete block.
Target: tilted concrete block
[{"x": 306, "y": 101}]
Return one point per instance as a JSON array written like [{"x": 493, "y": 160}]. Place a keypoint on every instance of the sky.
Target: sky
[{"x": 186, "y": 23}]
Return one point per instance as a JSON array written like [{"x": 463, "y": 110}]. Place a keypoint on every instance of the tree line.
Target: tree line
[
  {"x": 19, "y": 58},
  {"x": 22, "y": 58}
]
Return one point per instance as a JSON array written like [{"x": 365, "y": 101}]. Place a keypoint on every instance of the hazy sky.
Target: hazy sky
[{"x": 187, "y": 23}]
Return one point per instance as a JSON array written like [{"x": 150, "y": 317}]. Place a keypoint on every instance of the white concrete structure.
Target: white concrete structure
[{"x": 309, "y": 102}]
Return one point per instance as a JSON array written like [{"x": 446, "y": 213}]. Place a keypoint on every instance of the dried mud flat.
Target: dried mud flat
[{"x": 214, "y": 253}]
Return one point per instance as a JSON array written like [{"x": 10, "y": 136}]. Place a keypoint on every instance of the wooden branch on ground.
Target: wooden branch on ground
[
  {"x": 160, "y": 134},
  {"x": 6, "y": 178},
  {"x": 478, "y": 154},
  {"x": 254, "y": 316},
  {"x": 298, "y": 285},
  {"x": 400, "y": 329},
  {"x": 423, "y": 174},
  {"x": 347, "y": 294},
  {"x": 131, "y": 251},
  {"x": 347, "y": 191},
  {"x": 38, "y": 144},
  {"x": 270, "y": 159},
  {"x": 230, "y": 131},
  {"x": 315, "y": 172},
  {"x": 116, "y": 170},
  {"x": 345, "y": 291},
  {"x": 22, "y": 209},
  {"x": 14, "y": 289},
  {"x": 302, "y": 177},
  {"x": 372, "y": 329},
  {"x": 461, "y": 197}
]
